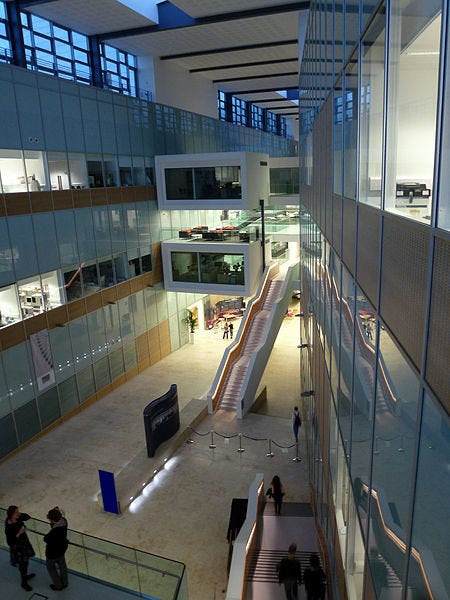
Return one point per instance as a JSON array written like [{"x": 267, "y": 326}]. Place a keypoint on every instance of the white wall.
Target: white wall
[{"x": 177, "y": 87}]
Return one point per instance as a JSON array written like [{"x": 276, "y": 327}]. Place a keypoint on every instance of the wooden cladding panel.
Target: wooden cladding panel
[
  {"x": 57, "y": 316},
  {"x": 24, "y": 203},
  {"x": 41, "y": 202},
  {"x": 76, "y": 309},
  {"x": 142, "y": 347},
  {"x": 81, "y": 198},
  {"x": 62, "y": 200},
  {"x": 109, "y": 295},
  {"x": 99, "y": 196},
  {"x": 93, "y": 302},
  {"x": 17, "y": 204},
  {"x": 35, "y": 324}
]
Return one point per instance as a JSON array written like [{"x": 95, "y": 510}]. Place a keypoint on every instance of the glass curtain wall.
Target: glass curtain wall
[{"x": 413, "y": 70}]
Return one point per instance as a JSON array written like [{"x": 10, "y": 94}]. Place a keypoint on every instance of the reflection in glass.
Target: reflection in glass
[
  {"x": 179, "y": 184},
  {"x": 432, "y": 510},
  {"x": 222, "y": 268},
  {"x": 217, "y": 182},
  {"x": 393, "y": 462},
  {"x": 363, "y": 393},
  {"x": 284, "y": 181},
  {"x": 184, "y": 266}
]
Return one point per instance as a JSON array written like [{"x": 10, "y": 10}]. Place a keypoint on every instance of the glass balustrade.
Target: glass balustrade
[{"x": 119, "y": 566}]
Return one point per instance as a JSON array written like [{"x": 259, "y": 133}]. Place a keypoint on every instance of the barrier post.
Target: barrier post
[
  {"x": 212, "y": 444},
  {"x": 270, "y": 453},
  {"x": 240, "y": 449}
]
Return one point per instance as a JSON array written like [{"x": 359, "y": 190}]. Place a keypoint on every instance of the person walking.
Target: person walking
[
  {"x": 314, "y": 579},
  {"x": 225, "y": 331},
  {"x": 296, "y": 422},
  {"x": 231, "y": 329},
  {"x": 290, "y": 573},
  {"x": 20, "y": 546},
  {"x": 56, "y": 540},
  {"x": 276, "y": 491}
]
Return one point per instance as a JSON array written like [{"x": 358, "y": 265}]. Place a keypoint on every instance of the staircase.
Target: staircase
[
  {"x": 263, "y": 563},
  {"x": 255, "y": 337}
]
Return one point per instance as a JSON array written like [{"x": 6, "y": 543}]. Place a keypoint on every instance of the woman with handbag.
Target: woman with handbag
[{"x": 20, "y": 545}]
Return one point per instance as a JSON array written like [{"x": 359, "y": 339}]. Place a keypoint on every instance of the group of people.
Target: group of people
[
  {"x": 21, "y": 549},
  {"x": 290, "y": 574},
  {"x": 228, "y": 329}
]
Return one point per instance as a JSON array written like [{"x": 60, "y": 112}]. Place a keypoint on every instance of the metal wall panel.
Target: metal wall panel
[
  {"x": 405, "y": 255},
  {"x": 437, "y": 371},
  {"x": 349, "y": 233},
  {"x": 368, "y": 248}
]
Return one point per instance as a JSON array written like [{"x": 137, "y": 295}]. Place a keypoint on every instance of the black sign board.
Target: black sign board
[{"x": 161, "y": 419}]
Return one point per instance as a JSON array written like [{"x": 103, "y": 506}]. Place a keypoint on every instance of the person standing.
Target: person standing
[
  {"x": 231, "y": 329},
  {"x": 20, "y": 546},
  {"x": 56, "y": 540},
  {"x": 225, "y": 331},
  {"x": 296, "y": 422},
  {"x": 276, "y": 491},
  {"x": 290, "y": 573},
  {"x": 314, "y": 579}
]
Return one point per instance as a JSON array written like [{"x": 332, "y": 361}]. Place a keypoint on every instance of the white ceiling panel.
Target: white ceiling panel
[
  {"x": 257, "y": 30},
  {"x": 97, "y": 16},
  {"x": 207, "y": 8}
]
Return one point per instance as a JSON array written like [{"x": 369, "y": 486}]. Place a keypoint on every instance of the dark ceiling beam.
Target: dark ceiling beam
[
  {"x": 258, "y": 63},
  {"x": 263, "y": 90},
  {"x": 28, "y": 3},
  {"x": 265, "y": 100},
  {"x": 171, "y": 17},
  {"x": 250, "y": 77},
  {"x": 226, "y": 50},
  {"x": 275, "y": 107},
  {"x": 286, "y": 114}
]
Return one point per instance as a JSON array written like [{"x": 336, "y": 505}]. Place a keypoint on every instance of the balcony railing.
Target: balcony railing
[{"x": 146, "y": 575}]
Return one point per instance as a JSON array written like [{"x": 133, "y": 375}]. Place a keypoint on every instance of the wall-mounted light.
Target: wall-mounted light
[
  {"x": 307, "y": 394},
  {"x": 303, "y": 346}
]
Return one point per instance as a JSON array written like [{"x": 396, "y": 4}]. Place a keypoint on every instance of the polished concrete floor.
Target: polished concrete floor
[{"x": 183, "y": 514}]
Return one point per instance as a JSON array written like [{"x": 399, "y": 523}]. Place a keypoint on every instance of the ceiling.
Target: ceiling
[{"x": 246, "y": 47}]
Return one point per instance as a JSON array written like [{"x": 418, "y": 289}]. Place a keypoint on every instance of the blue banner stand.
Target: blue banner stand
[{"x": 108, "y": 490}]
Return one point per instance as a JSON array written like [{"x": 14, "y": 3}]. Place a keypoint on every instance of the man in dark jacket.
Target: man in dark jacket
[
  {"x": 290, "y": 573},
  {"x": 56, "y": 540}
]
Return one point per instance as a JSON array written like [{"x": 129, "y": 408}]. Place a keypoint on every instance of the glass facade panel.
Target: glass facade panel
[
  {"x": 179, "y": 184},
  {"x": 68, "y": 395},
  {"x": 62, "y": 351},
  {"x": 48, "y": 406},
  {"x": 414, "y": 47},
  {"x": 350, "y": 113},
  {"x": 284, "y": 181},
  {"x": 430, "y": 555},
  {"x": 19, "y": 374},
  {"x": 222, "y": 268},
  {"x": 217, "y": 182},
  {"x": 185, "y": 266},
  {"x": 371, "y": 111}
]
